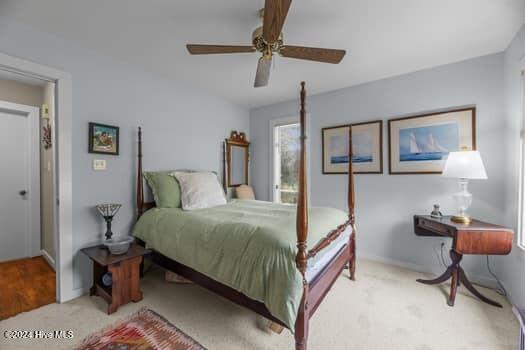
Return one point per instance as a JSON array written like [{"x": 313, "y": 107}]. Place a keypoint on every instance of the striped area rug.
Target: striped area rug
[{"x": 143, "y": 330}]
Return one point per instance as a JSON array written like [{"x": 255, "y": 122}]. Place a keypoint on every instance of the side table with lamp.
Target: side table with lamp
[
  {"x": 116, "y": 265},
  {"x": 469, "y": 236}
]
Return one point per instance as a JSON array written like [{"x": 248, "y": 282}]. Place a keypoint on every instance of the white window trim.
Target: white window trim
[
  {"x": 521, "y": 201},
  {"x": 279, "y": 122}
]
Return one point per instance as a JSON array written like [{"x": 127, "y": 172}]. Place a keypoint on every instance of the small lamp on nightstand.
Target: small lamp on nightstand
[
  {"x": 464, "y": 165},
  {"x": 108, "y": 211}
]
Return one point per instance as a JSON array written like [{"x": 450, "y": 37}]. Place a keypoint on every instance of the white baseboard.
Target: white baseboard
[
  {"x": 78, "y": 292},
  {"x": 478, "y": 279},
  {"x": 48, "y": 258}
]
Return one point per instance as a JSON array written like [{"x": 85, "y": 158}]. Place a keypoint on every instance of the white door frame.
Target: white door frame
[
  {"x": 62, "y": 145},
  {"x": 32, "y": 239},
  {"x": 521, "y": 182},
  {"x": 280, "y": 122}
]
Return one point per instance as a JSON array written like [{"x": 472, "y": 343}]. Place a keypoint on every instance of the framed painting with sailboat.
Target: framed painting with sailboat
[
  {"x": 419, "y": 144},
  {"x": 367, "y": 148}
]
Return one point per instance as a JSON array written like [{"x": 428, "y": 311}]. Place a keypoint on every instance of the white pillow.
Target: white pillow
[{"x": 199, "y": 190}]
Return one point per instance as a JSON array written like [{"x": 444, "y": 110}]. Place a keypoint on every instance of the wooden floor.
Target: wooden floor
[{"x": 25, "y": 284}]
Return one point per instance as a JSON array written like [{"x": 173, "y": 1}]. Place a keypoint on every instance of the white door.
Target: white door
[{"x": 19, "y": 182}]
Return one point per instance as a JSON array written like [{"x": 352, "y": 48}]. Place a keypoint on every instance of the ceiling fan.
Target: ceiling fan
[{"x": 268, "y": 40}]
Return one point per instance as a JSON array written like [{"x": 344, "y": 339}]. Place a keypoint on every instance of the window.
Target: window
[
  {"x": 286, "y": 163},
  {"x": 284, "y": 159},
  {"x": 521, "y": 229}
]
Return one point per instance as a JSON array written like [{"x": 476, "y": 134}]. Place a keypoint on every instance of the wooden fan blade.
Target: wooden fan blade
[
  {"x": 263, "y": 72},
  {"x": 275, "y": 12},
  {"x": 313, "y": 54},
  {"x": 197, "y": 49}
]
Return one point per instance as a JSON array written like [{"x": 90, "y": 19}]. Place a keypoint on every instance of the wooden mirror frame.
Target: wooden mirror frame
[{"x": 237, "y": 139}]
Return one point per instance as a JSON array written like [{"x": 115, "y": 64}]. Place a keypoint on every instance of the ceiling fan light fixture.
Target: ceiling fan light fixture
[
  {"x": 268, "y": 39},
  {"x": 262, "y": 75}
]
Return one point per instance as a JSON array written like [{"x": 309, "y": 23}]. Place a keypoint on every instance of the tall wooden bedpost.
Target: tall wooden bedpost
[
  {"x": 302, "y": 197},
  {"x": 140, "y": 186},
  {"x": 351, "y": 208},
  {"x": 301, "y": 324}
]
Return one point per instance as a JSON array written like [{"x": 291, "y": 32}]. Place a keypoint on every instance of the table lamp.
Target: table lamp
[
  {"x": 464, "y": 165},
  {"x": 108, "y": 211}
]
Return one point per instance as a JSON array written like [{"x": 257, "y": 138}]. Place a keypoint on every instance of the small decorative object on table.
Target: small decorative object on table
[
  {"x": 118, "y": 245},
  {"x": 436, "y": 213},
  {"x": 464, "y": 165},
  {"x": 108, "y": 211}
]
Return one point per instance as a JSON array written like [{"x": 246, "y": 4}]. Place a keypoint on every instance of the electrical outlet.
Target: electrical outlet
[{"x": 99, "y": 164}]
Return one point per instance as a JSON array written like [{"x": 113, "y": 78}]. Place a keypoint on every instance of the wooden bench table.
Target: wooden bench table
[{"x": 125, "y": 274}]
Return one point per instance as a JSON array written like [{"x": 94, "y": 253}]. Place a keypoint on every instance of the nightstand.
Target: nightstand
[
  {"x": 125, "y": 273},
  {"x": 476, "y": 238}
]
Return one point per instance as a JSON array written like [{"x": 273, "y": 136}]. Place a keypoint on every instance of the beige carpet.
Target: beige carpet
[{"x": 384, "y": 309}]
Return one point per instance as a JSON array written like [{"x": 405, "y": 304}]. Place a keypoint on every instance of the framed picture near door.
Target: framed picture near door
[
  {"x": 367, "y": 147},
  {"x": 103, "y": 139},
  {"x": 420, "y": 144}
]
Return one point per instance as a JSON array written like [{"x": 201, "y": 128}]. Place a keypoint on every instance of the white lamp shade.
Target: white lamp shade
[{"x": 464, "y": 165}]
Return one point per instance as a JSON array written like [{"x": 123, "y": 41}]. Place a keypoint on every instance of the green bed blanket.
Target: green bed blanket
[{"x": 247, "y": 245}]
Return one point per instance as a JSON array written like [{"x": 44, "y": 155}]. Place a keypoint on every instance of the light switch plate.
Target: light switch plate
[{"x": 99, "y": 164}]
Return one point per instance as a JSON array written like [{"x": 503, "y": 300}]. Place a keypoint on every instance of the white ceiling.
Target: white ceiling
[{"x": 382, "y": 37}]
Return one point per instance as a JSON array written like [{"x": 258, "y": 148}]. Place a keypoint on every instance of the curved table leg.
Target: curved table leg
[
  {"x": 470, "y": 287},
  {"x": 445, "y": 276},
  {"x": 458, "y": 277},
  {"x": 453, "y": 287}
]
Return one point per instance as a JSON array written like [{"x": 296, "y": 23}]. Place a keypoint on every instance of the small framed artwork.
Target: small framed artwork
[
  {"x": 103, "y": 139},
  {"x": 367, "y": 147},
  {"x": 420, "y": 144}
]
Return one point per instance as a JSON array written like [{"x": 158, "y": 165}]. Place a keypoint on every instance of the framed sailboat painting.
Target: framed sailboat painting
[
  {"x": 367, "y": 147},
  {"x": 420, "y": 144}
]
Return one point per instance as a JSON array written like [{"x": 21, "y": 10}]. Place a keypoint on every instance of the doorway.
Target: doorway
[
  {"x": 285, "y": 159},
  {"x": 62, "y": 152},
  {"x": 27, "y": 194}
]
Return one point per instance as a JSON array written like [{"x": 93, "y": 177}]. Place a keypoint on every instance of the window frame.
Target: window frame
[{"x": 521, "y": 191}]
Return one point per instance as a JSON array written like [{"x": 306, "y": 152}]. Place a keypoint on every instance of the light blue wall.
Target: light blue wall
[
  {"x": 512, "y": 268},
  {"x": 183, "y": 127},
  {"x": 386, "y": 203}
]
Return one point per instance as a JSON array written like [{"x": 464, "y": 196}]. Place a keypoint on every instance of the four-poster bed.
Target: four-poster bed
[{"x": 314, "y": 286}]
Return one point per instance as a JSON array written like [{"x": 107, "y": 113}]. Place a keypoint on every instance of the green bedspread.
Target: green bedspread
[{"x": 248, "y": 245}]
